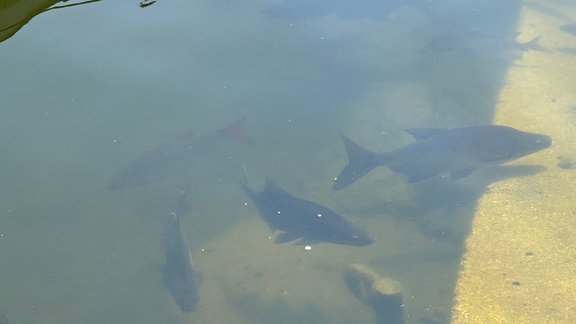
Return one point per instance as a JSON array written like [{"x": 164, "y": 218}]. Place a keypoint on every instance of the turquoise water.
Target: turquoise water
[{"x": 86, "y": 89}]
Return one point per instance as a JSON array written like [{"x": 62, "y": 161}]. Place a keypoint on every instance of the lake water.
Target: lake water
[{"x": 86, "y": 89}]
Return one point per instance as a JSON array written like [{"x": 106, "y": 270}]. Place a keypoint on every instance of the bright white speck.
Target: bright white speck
[
  {"x": 319, "y": 215},
  {"x": 308, "y": 248},
  {"x": 245, "y": 204},
  {"x": 278, "y": 212}
]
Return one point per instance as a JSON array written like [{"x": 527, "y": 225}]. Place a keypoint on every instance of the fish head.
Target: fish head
[
  {"x": 494, "y": 144},
  {"x": 520, "y": 143},
  {"x": 538, "y": 142}
]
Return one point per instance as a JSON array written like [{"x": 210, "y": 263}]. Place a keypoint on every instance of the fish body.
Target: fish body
[
  {"x": 175, "y": 156},
  {"x": 180, "y": 276},
  {"x": 457, "y": 152},
  {"x": 304, "y": 220}
]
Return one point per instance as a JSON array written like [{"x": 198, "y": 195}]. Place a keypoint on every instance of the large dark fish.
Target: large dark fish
[
  {"x": 456, "y": 151},
  {"x": 304, "y": 220},
  {"x": 175, "y": 156},
  {"x": 178, "y": 272}
]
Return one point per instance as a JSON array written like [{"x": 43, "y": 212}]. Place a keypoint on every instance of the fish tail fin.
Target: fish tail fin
[
  {"x": 360, "y": 162},
  {"x": 235, "y": 131},
  {"x": 533, "y": 45}
]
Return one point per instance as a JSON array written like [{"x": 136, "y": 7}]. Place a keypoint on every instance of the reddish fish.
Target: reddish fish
[{"x": 175, "y": 156}]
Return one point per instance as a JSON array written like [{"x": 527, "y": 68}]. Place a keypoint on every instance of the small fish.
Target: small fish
[
  {"x": 481, "y": 44},
  {"x": 304, "y": 220},
  {"x": 175, "y": 156},
  {"x": 179, "y": 274},
  {"x": 456, "y": 151}
]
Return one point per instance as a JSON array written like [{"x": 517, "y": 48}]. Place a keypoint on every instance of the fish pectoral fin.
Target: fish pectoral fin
[
  {"x": 458, "y": 174},
  {"x": 414, "y": 174},
  {"x": 286, "y": 237}
]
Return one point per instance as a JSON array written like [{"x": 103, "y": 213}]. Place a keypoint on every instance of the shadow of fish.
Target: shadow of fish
[
  {"x": 456, "y": 151},
  {"x": 571, "y": 28},
  {"x": 175, "y": 156},
  {"x": 566, "y": 50},
  {"x": 304, "y": 220},
  {"x": 178, "y": 272}
]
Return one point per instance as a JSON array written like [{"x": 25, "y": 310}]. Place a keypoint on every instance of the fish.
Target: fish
[
  {"x": 175, "y": 156},
  {"x": 456, "y": 151},
  {"x": 481, "y": 44},
  {"x": 179, "y": 274},
  {"x": 302, "y": 220}
]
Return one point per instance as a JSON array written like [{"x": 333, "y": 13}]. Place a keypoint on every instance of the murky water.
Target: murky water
[{"x": 86, "y": 89}]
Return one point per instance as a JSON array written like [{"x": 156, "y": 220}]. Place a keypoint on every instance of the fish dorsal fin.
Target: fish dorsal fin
[
  {"x": 272, "y": 187},
  {"x": 423, "y": 133}
]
